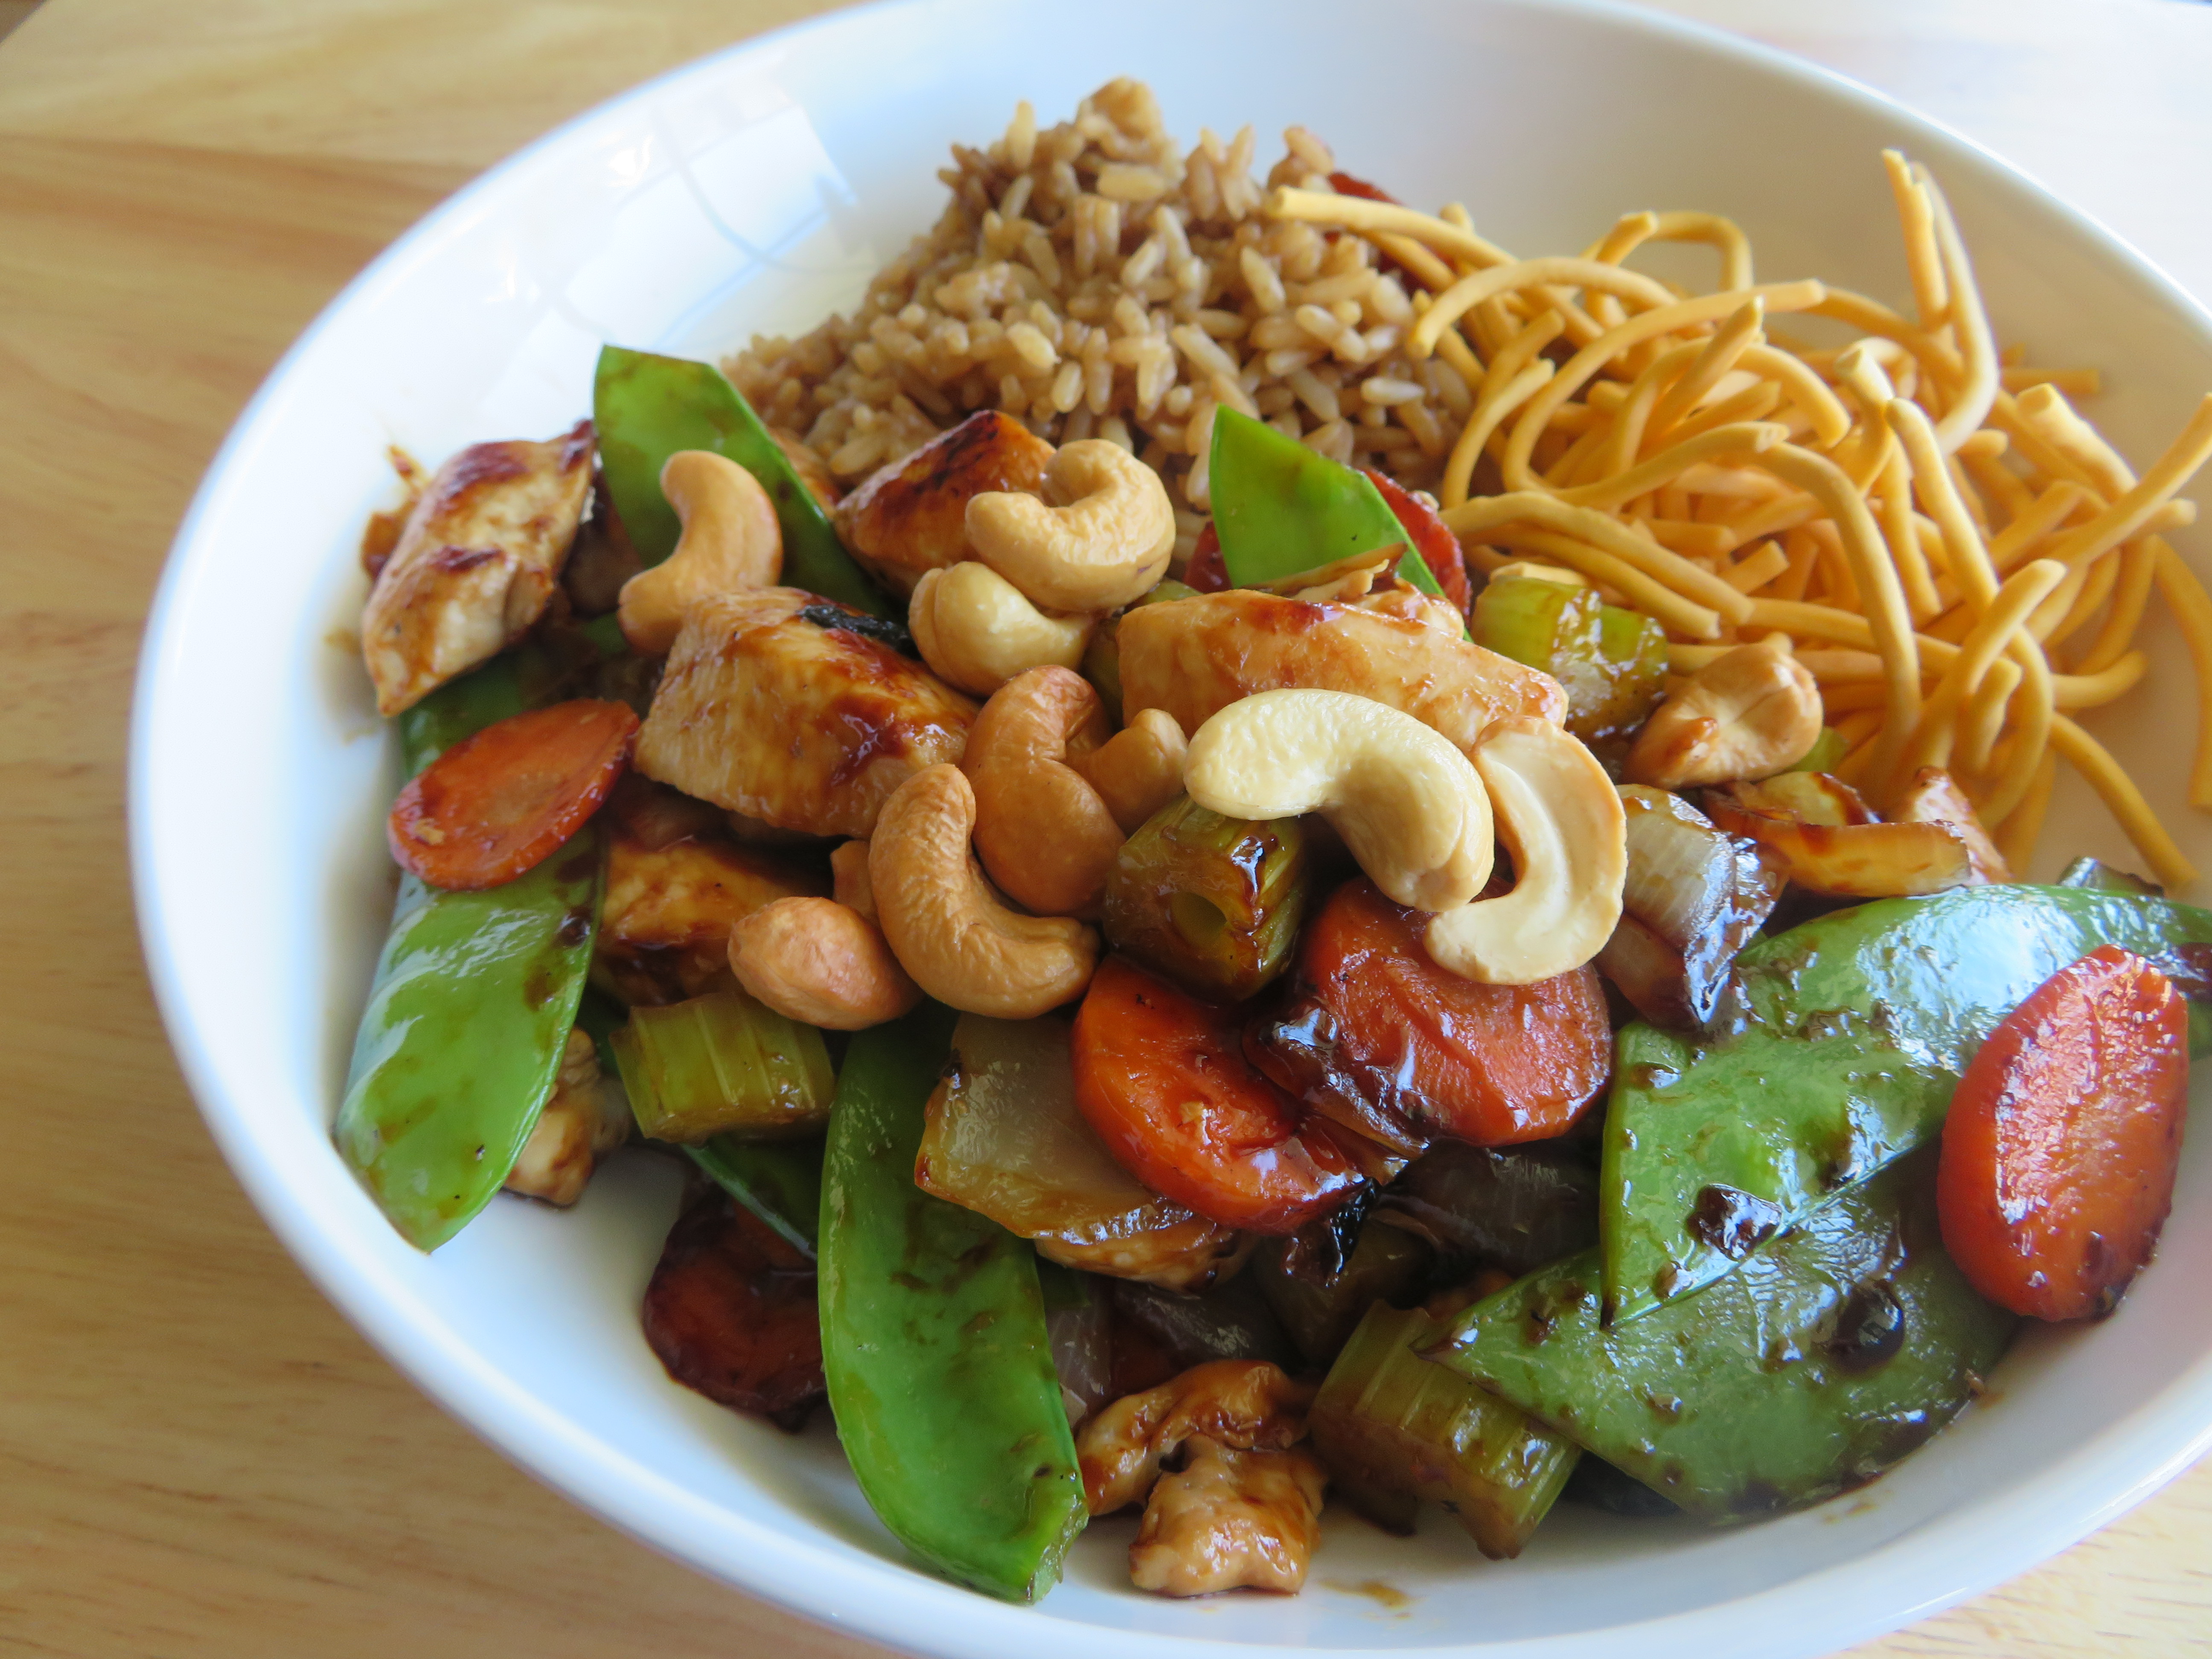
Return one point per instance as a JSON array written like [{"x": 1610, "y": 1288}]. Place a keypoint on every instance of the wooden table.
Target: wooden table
[{"x": 197, "y": 1455}]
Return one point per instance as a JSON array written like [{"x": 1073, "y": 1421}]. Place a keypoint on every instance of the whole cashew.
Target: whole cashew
[
  {"x": 1562, "y": 820},
  {"x": 947, "y": 926},
  {"x": 1748, "y": 714},
  {"x": 848, "y": 876},
  {"x": 977, "y": 631},
  {"x": 731, "y": 540},
  {"x": 821, "y": 963},
  {"x": 1408, "y": 802},
  {"x": 1043, "y": 832},
  {"x": 1099, "y": 537},
  {"x": 1138, "y": 769}
]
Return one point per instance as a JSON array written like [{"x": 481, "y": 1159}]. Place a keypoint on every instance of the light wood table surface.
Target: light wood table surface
[{"x": 197, "y": 1456}]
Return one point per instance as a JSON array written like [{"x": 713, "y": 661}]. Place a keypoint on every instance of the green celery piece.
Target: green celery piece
[
  {"x": 1394, "y": 1429},
  {"x": 647, "y": 408},
  {"x": 1102, "y": 658},
  {"x": 1612, "y": 663},
  {"x": 1213, "y": 903},
  {"x": 779, "y": 1181},
  {"x": 933, "y": 1339},
  {"x": 723, "y": 1064},
  {"x": 1833, "y": 1352},
  {"x": 1858, "y": 1025},
  {"x": 1280, "y": 508},
  {"x": 1826, "y": 753},
  {"x": 475, "y": 993}
]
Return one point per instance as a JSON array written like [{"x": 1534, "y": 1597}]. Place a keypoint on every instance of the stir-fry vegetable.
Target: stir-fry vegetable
[
  {"x": 934, "y": 1340},
  {"x": 1395, "y": 1430},
  {"x": 1857, "y": 1028},
  {"x": 2062, "y": 1144},
  {"x": 1163, "y": 1078},
  {"x": 475, "y": 993},
  {"x": 1832, "y": 1353},
  {"x": 723, "y": 1064},
  {"x": 780, "y": 1182},
  {"x": 1611, "y": 662},
  {"x": 1280, "y": 508},
  {"x": 1211, "y": 903}
]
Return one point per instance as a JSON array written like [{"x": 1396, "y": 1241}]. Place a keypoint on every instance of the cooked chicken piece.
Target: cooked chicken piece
[
  {"x": 911, "y": 516},
  {"x": 586, "y": 1115},
  {"x": 1243, "y": 1403},
  {"x": 778, "y": 705},
  {"x": 1230, "y": 1520},
  {"x": 480, "y": 555},
  {"x": 1194, "y": 657},
  {"x": 665, "y": 924},
  {"x": 1186, "y": 1256},
  {"x": 813, "y": 471}
]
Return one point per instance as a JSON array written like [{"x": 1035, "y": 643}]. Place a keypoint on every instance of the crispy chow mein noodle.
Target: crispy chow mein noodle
[{"x": 1959, "y": 557}]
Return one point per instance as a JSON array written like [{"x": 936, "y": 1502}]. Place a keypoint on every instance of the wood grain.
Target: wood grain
[{"x": 197, "y": 1455}]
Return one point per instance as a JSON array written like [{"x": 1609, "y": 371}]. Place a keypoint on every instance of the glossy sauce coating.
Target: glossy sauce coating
[
  {"x": 2060, "y": 1149},
  {"x": 1380, "y": 1038},
  {"x": 1162, "y": 1080}
]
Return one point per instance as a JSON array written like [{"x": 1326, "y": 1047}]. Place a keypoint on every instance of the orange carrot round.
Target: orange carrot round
[
  {"x": 1162, "y": 1079},
  {"x": 2060, "y": 1149},
  {"x": 500, "y": 802}
]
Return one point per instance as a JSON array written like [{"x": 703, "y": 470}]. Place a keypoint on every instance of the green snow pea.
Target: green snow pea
[
  {"x": 933, "y": 1339},
  {"x": 1857, "y": 1026},
  {"x": 645, "y": 407},
  {"x": 1280, "y": 508},
  {"x": 1831, "y": 1353},
  {"x": 475, "y": 993},
  {"x": 779, "y": 1181}
]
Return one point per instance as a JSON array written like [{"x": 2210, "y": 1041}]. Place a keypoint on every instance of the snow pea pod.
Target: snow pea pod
[
  {"x": 1856, "y": 1026},
  {"x": 779, "y": 1181},
  {"x": 459, "y": 1046},
  {"x": 933, "y": 1339},
  {"x": 647, "y": 407},
  {"x": 1832, "y": 1353},
  {"x": 1280, "y": 508}
]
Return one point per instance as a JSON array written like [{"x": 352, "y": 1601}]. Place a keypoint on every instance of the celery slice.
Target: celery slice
[
  {"x": 1395, "y": 1428},
  {"x": 723, "y": 1064}
]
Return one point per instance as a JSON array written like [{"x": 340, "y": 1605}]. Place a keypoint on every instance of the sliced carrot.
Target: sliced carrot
[
  {"x": 1345, "y": 183},
  {"x": 497, "y": 804},
  {"x": 1376, "y": 1037},
  {"x": 1432, "y": 537},
  {"x": 2060, "y": 1149},
  {"x": 1162, "y": 1080}
]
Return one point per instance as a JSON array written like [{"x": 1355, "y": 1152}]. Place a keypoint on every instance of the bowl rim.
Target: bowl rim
[{"x": 1922, "y": 1571}]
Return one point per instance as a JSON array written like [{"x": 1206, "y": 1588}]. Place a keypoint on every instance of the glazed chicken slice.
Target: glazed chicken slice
[
  {"x": 910, "y": 517},
  {"x": 1230, "y": 1520},
  {"x": 477, "y": 559},
  {"x": 784, "y": 708},
  {"x": 665, "y": 925},
  {"x": 1192, "y": 658},
  {"x": 588, "y": 1115}
]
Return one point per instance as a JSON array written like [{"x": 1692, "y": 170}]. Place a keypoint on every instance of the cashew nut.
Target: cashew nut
[
  {"x": 1139, "y": 768},
  {"x": 1750, "y": 713},
  {"x": 821, "y": 963},
  {"x": 946, "y": 925},
  {"x": 1408, "y": 803},
  {"x": 977, "y": 631},
  {"x": 1043, "y": 831},
  {"x": 848, "y": 876},
  {"x": 1561, "y": 819},
  {"x": 1099, "y": 537},
  {"x": 731, "y": 540}
]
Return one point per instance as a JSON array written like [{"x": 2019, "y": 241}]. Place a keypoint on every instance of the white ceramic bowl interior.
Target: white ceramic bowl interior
[{"x": 756, "y": 191}]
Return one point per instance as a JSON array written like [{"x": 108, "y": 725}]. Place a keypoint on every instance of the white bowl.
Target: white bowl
[{"x": 756, "y": 190}]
